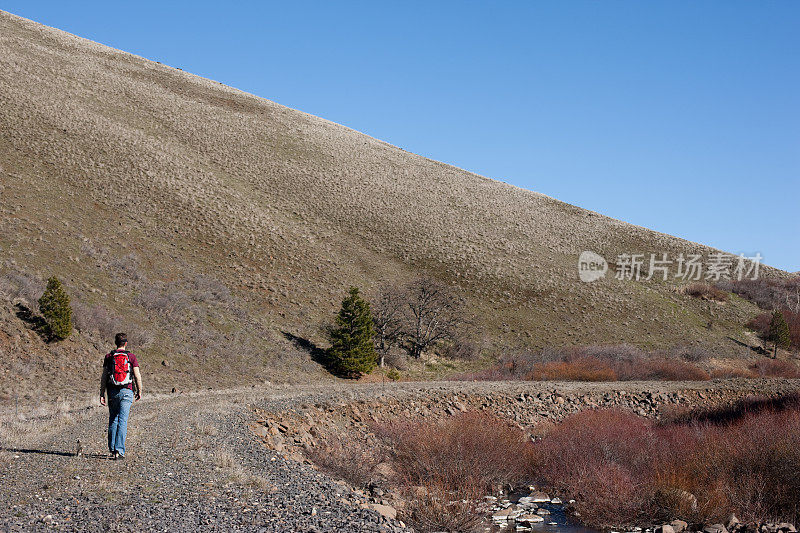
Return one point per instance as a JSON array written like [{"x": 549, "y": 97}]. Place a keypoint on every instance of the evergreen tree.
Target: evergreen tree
[
  {"x": 778, "y": 332},
  {"x": 56, "y": 310},
  {"x": 352, "y": 351}
]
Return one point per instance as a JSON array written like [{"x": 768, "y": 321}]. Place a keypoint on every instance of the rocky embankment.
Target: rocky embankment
[{"x": 291, "y": 428}]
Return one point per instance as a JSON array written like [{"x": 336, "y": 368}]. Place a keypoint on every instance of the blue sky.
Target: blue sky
[{"x": 680, "y": 116}]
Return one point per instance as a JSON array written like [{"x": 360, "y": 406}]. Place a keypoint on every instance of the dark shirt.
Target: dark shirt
[{"x": 107, "y": 365}]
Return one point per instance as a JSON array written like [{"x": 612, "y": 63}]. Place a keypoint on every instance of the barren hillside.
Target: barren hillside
[{"x": 209, "y": 221}]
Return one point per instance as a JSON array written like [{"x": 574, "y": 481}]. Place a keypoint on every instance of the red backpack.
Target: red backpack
[{"x": 120, "y": 371}]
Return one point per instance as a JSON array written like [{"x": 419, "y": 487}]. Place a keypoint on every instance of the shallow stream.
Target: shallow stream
[{"x": 558, "y": 521}]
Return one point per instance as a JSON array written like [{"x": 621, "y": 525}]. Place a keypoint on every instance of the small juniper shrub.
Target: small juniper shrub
[
  {"x": 771, "y": 294},
  {"x": 352, "y": 352},
  {"x": 778, "y": 332},
  {"x": 56, "y": 309}
]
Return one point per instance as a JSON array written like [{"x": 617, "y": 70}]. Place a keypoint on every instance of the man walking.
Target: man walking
[{"x": 123, "y": 382}]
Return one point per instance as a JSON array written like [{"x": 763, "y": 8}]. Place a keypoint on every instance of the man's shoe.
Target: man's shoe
[
  {"x": 113, "y": 456},
  {"x": 120, "y": 456}
]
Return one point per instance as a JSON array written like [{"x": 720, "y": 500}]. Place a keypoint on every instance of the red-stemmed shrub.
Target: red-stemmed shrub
[
  {"x": 595, "y": 363},
  {"x": 775, "y": 368},
  {"x": 623, "y": 469},
  {"x": 446, "y": 467},
  {"x": 473, "y": 446},
  {"x": 706, "y": 292}
]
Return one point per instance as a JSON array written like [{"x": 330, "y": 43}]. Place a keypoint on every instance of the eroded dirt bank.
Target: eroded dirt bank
[{"x": 289, "y": 424}]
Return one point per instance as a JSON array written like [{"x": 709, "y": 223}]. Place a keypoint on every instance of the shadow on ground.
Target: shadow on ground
[
  {"x": 33, "y": 321},
  {"x": 729, "y": 414},
  {"x": 57, "y": 452},
  {"x": 318, "y": 355},
  {"x": 758, "y": 349}
]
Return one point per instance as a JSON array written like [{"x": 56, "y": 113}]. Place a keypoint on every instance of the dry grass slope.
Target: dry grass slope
[{"x": 145, "y": 188}]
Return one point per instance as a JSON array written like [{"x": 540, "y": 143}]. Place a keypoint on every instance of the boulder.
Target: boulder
[
  {"x": 539, "y": 497},
  {"x": 503, "y": 515},
  {"x": 715, "y": 528},
  {"x": 665, "y": 528},
  {"x": 386, "y": 511},
  {"x": 278, "y": 444},
  {"x": 679, "y": 526},
  {"x": 529, "y": 518}
]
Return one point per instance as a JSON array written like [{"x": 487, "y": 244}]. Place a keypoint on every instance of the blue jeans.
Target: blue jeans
[{"x": 119, "y": 407}]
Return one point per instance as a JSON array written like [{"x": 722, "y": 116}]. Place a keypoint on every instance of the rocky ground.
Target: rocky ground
[{"x": 234, "y": 460}]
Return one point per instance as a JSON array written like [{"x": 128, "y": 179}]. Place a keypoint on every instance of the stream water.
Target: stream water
[{"x": 558, "y": 521}]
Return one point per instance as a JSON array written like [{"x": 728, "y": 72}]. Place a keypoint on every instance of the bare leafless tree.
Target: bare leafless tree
[
  {"x": 793, "y": 295},
  {"x": 387, "y": 317},
  {"x": 433, "y": 314}
]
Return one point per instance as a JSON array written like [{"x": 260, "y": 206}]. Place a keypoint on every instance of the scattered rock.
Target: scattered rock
[
  {"x": 679, "y": 526},
  {"x": 715, "y": 528},
  {"x": 506, "y": 514},
  {"x": 539, "y": 497},
  {"x": 530, "y": 518},
  {"x": 386, "y": 511}
]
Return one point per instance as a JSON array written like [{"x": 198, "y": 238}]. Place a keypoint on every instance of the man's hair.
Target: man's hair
[{"x": 120, "y": 339}]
